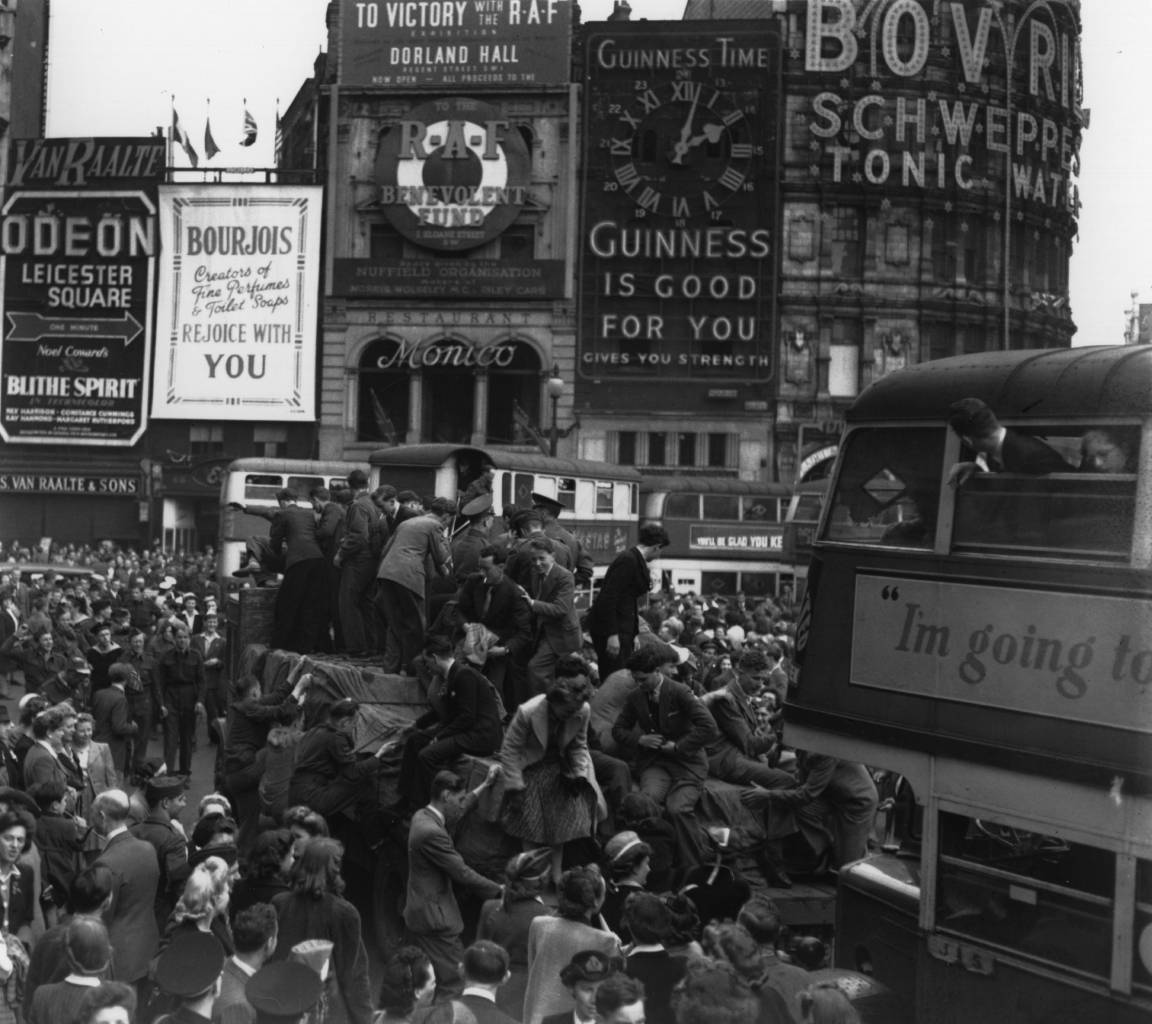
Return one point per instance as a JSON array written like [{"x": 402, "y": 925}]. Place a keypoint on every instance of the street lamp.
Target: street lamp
[{"x": 555, "y": 386}]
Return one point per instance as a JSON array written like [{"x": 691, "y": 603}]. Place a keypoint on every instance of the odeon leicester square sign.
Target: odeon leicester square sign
[{"x": 453, "y": 174}]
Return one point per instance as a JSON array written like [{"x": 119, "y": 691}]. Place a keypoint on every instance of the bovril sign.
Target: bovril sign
[{"x": 453, "y": 174}]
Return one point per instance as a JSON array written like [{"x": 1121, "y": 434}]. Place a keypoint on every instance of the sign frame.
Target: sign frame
[{"x": 132, "y": 329}]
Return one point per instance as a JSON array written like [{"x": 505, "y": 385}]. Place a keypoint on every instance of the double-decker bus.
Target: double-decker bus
[
  {"x": 990, "y": 642},
  {"x": 725, "y": 535}
]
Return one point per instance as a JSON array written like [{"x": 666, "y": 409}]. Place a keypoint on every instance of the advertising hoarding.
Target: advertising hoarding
[
  {"x": 85, "y": 162},
  {"x": 453, "y": 43},
  {"x": 76, "y": 316},
  {"x": 453, "y": 174},
  {"x": 239, "y": 279},
  {"x": 678, "y": 247},
  {"x": 433, "y": 278}
]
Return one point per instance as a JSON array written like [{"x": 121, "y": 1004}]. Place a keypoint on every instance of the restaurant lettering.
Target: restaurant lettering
[{"x": 454, "y": 354}]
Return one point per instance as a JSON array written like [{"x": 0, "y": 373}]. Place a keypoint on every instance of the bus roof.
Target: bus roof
[
  {"x": 711, "y": 485},
  {"x": 433, "y": 455},
  {"x": 315, "y": 467},
  {"x": 1044, "y": 384}
]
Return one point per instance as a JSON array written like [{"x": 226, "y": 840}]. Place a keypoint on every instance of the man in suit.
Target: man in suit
[
  {"x": 485, "y": 970},
  {"x": 34, "y": 651},
  {"x": 131, "y": 918},
  {"x": 302, "y": 601},
  {"x": 550, "y": 509},
  {"x": 254, "y": 931},
  {"x": 354, "y": 559},
  {"x": 614, "y": 618},
  {"x": 9, "y": 624},
  {"x": 403, "y": 580},
  {"x": 1001, "y": 450},
  {"x": 494, "y": 601},
  {"x": 551, "y": 593},
  {"x": 111, "y": 717},
  {"x": 431, "y": 914},
  {"x": 674, "y": 728},
  {"x": 466, "y": 722}
]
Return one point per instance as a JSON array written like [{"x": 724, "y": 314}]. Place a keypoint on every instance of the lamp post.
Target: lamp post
[{"x": 555, "y": 386}]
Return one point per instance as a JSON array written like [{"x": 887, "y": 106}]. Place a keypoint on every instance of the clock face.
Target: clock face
[{"x": 681, "y": 149}]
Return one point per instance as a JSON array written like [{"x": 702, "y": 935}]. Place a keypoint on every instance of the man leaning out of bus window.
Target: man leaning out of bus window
[{"x": 995, "y": 448}]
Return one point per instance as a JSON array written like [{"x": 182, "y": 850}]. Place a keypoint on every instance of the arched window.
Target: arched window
[
  {"x": 382, "y": 412},
  {"x": 514, "y": 396}
]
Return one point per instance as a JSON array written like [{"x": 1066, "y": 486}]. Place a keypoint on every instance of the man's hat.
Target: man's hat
[
  {"x": 190, "y": 966},
  {"x": 545, "y": 502},
  {"x": 283, "y": 991},
  {"x": 163, "y": 787},
  {"x": 405, "y": 496},
  {"x": 589, "y": 965},
  {"x": 78, "y": 663},
  {"x": 529, "y": 865},
  {"x": 477, "y": 506}
]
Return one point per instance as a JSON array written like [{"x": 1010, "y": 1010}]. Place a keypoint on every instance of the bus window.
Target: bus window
[
  {"x": 261, "y": 487},
  {"x": 889, "y": 487},
  {"x": 566, "y": 492},
  {"x": 604, "y": 498},
  {"x": 525, "y": 484},
  {"x": 762, "y": 510},
  {"x": 1036, "y": 896},
  {"x": 302, "y": 486},
  {"x": 682, "y": 506},
  {"x": 722, "y": 506}
]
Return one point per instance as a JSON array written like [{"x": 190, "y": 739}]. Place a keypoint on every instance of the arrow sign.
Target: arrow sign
[{"x": 34, "y": 327}]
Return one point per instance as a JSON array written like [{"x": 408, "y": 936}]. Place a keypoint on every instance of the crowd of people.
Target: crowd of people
[{"x": 599, "y": 732}]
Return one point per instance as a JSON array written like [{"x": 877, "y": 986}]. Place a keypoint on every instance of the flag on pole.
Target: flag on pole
[
  {"x": 278, "y": 144},
  {"x": 180, "y": 136},
  {"x": 249, "y": 126},
  {"x": 210, "y": 147}
]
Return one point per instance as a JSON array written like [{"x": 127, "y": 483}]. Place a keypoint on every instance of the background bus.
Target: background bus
[
  {"x": 254, "y": 482},
  {"x": 601, "y": 502},
  {"x": 800, "y": 522},
  {"x": 726, "y": 535},
  {"x": 992, "y": 644}
]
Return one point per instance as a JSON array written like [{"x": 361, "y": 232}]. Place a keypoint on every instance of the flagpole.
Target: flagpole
[{"x": 168, "y": 133}]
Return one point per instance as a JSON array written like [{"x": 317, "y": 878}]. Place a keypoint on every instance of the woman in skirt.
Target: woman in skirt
[{"x": 550, "y": 791}]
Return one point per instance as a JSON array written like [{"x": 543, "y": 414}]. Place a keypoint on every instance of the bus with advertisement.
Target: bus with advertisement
[
  {"x": 984, "y": 636},
  {"x": 725, "y": 535}
]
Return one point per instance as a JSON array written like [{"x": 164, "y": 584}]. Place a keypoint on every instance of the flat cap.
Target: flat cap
[
  {"x": 190, "y": 966},
  {"x": 477, "y": 506},
  {"x": 283, "y": 991}
]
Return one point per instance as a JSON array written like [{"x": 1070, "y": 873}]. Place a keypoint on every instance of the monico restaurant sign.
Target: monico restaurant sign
[
  {"x": 680, "y": 201},
  {"x": 453, "y": 174}
]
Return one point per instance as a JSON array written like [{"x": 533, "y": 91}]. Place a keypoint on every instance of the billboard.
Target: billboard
[
  {"x": 453, "y": 174},
  {"x": 453, "y": 43},
  {"x": 433, "y": 278},
  {"x": 76, "y": 316},
  {"x": 85, "y": 162},
  {"x": 239, "y": 279},
  {"x": 678, "y": 245}
]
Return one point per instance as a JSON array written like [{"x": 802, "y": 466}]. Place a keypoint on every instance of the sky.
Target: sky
[{"x": 118, "y": 66}]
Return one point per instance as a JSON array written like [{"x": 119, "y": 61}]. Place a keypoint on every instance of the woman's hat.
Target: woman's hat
[
  {"x": 624, "y": 843},
  {"x": 530, "y": 865}
]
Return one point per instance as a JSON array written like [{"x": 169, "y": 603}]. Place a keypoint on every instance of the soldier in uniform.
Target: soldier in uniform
[
  {"x": 180, "y": 675},
  {"x": 468, "y": 544},
  {"x": 162, "y": 828},
  {"x": 581, "y": 561}
]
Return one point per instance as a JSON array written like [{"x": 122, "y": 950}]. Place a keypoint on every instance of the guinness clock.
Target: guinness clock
[{"x": 685, "y": 147}]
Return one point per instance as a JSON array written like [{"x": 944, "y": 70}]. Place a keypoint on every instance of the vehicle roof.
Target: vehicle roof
[
  {"x": 1043, "y": 384},
  {"x": 711, "y": 485},
  {"x": 313, "y": 467},
  {"x": 43, "y": 568},
  {"x": 435, "y": 455}
]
